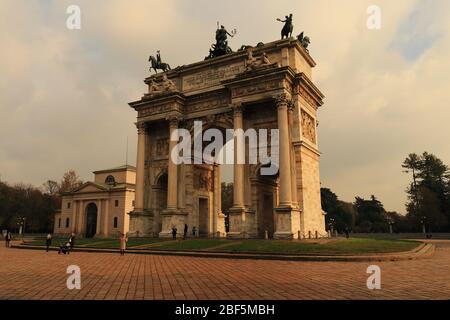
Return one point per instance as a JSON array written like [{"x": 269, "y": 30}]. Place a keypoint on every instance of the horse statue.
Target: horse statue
[
  {"x": 155, "y": 65},
  {"x": 288, "y": 27}
]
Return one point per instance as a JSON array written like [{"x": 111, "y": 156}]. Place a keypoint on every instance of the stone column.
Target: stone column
[
  {"x": 99, "y": 217},
  {"x": 74, "y": 216},
  {"x": 106, "y": 219},
  {"x": 285, "y": 156},
  {"x": 292, "y": 154},
  {"x": 239, "y": 151},
  {"x": 140, "y": 168},
  {"x": 216, "y": 206},
  {"x": 172, "y": 183},
  {"x": 80, "y": 216},
  {"x": 237, "y": 218}
]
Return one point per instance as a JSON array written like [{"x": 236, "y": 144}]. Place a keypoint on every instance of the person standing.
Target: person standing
[
  {"x": 194, "y": 231},
  {"x": 185, "y": 231},
  {"x": 174, "y": 233},
  {"x": 8, "y": 238},
  {"x": 123, "y": 243},
  {"x": 347, "y": 233},
  {"x": 72, "y": 241},
  {"x": 48, "y": 241}
]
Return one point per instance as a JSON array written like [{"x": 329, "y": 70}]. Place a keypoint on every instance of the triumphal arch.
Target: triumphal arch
[{"x": 267, "y": 86}]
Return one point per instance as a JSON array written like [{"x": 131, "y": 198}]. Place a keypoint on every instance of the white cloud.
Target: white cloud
[{"x": 64, "y": 94}]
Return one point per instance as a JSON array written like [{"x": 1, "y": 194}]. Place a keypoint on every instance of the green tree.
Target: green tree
[
  {"x": 227, "y": 201},
  {"x": 339, "y": 214},
  {"x": 371, "y": 215},
  {"x": 429, "y": 193}
]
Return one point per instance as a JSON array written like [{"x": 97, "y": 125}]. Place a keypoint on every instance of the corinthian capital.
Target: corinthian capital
[
  {"x": 237, "y": 108},
  {"x": 283, "y": 100},
  {"x": 173, "y": 121},
  {"x": 142, "y": 127}
]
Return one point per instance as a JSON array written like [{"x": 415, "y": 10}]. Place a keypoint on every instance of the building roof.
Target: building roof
[
  {"x": 101, "y": 187},
  {"x": 125, "y": 167}
]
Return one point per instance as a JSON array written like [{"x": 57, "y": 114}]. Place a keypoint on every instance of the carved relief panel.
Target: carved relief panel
[
  {"x": 203, "y": 179},
  {"x": 308, "y": 126}
]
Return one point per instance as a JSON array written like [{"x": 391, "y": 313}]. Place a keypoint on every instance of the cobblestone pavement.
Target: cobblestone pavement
[{"x": 30, "y": 274}]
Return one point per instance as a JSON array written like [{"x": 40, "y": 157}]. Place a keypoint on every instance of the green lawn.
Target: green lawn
[
  {"x": 130, "y": 244},
  {"x": 195, "y": 244},
  {"x": 341, "y": 246},
  {"x": 338, "y": 246}
]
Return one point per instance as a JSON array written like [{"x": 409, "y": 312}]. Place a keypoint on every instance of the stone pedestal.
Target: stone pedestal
[
  {"x": 221, "y": 225},
  {"x": 172, "y": 218},
  {"x": 241, "y": 224},
  {"x": 287, "y": 222},
  {"x": 141, "y": 224}
]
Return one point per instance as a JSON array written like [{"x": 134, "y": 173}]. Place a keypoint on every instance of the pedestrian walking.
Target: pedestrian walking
[
  {"x": 123, "y": 243},
  {"x": 48, "y": 241},
  {"x": 185, "y": 231},
  {"x": 174, "y": 233}
]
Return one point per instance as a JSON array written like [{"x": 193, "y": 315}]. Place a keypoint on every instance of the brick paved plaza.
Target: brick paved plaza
[{"x": 29, "y": 274}]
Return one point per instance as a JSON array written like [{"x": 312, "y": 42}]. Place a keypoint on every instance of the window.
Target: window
[
  {"x": 67, "y": 222},
  {"x": 68, "y": 205},
  {"x": 116, "y": 203},
  {"x": 115, "y": 222},
  {"x": 110, "y": 180},
  {"x": 59, "y": 223},
  {"x": 133, "y": 203}
]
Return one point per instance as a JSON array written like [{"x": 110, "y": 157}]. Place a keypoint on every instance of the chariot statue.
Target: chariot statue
[{"x": 221, "y": 47}]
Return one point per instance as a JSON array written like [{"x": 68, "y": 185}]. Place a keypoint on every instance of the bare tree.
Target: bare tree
[
  {"x": 70, "y": 181},
  {"x": 51, "y": 187}
]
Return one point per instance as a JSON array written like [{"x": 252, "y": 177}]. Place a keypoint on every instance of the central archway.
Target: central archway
[{"x": 91, "y": 220}]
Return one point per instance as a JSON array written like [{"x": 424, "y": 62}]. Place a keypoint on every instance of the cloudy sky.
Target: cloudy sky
[{"x": 64, "y": 93}]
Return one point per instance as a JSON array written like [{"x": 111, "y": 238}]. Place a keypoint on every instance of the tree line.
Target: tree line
[
  {"x": 427, "y": 207},
  {"x": 428, "y": 202},
  {"x": 33, "y": 207}
]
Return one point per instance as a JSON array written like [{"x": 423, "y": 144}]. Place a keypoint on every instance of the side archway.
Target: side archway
[{"x": 91, "y": 220}]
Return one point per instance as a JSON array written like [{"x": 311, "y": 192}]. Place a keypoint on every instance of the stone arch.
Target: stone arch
[
  {"x": 160, "y": 197},
  {"x": 91, "y": 213},
  {"x": 264, "y": 200}
]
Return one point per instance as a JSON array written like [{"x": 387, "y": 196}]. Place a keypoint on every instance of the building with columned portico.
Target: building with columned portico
[{"x": 99, "y": 208}]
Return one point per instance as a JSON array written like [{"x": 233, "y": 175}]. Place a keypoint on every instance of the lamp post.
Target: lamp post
[
  {"x": 423, "y": 221},
  {"x": 21, "y": 224},
  {"x": 331, "y": 224}
]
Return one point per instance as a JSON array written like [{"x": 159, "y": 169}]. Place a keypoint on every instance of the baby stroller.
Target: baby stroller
[{"x": 64, "y": 248}]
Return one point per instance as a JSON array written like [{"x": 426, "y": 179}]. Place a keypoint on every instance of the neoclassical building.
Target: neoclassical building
[
  {"x": 99, "y": 208},
  {"x": 269, "y": 86}
]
